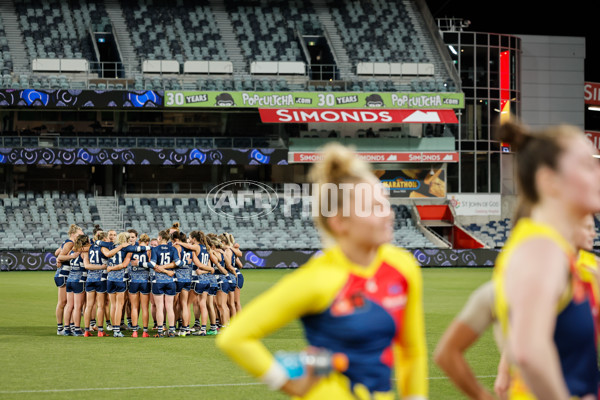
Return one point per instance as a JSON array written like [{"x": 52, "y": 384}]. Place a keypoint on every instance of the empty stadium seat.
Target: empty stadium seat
[
  {"x": 378, "y": 31},
  {"x": 57, "y": 29},
  {"x": 266, "y": 30},
  {"x": 186, "y": 31},
  {"x": 494, "y": 233},
  {"x": 277, "y": 230}
]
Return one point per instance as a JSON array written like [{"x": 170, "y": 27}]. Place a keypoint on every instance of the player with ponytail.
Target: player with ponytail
[
  {"x": 359, "y": 277},
  {"x": 540, "y": 298}
]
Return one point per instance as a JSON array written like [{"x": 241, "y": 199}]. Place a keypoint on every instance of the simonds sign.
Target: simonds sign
[
  {"x": 296, "y": 115},
  {"x": 591, "y": 93}
]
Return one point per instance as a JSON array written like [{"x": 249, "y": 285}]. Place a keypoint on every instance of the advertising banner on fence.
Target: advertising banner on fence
[
  {"x": 104, "y": 156},
  {"x": 314, "y": 115},
  {"x": 476, "y": 204},
  {"x": 414, "y": 183},
  {"x": 414, "y": 101},
  {"x": 591, "y": 93},
  {"x": 594, "y": 138},
  {"x": 71, "y": 98},
  {"x": 259, "y": 259},
  {"x": 381, "y": 156}
]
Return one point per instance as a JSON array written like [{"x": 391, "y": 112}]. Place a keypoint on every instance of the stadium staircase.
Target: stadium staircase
[
  {"x": 440, "y": 219},
  {"x": 110, "y": 215},
  {"x": 115, "y": 13},
  {"x": 334, "y": 40},
  {"x": 14, "y": 37},
  {"x": 425, "y": 38},
  {"x": 230, "y": 42}
]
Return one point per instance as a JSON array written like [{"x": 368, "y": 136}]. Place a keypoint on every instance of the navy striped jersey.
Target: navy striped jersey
[
  {"x": 96, "y": 257},
  {"x": 184, "y": 272},
  {"x": 118, "y": 258},
  {"x": 78, "y": 272},
  {"x": 66, "y": 265},
  {"x": 164, "y": 254},
  {"x": 140, "y": 273},
  {"x": 233, "y": 264},
  {"x": 221, "y": 262}
]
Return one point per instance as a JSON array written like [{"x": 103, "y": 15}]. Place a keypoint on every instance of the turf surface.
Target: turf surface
[{"x": 38, "y": 364}]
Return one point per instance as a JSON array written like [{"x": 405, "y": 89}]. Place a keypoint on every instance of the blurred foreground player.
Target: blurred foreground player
[
  {"x": 361, "y": 297},
  {"x": 541, "y": 300}
]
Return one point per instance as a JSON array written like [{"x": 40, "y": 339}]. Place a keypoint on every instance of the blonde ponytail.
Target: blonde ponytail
[
  {"x": 122, "y": 237},
  {"x": 73, "y": 229},
  {"x": 339, "y": 165}
]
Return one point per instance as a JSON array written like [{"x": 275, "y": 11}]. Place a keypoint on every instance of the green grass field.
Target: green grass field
[{"x": 38, "y": 364}]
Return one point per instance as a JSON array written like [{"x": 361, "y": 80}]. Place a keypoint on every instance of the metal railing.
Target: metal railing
[
  {"x": 323, "y": 72},
  {"x": 62, "y": 185},
  {"x": 149, "y": 187},
  {"x": 170, "y": 187},
  {"x": 140, "y": 142},
  {"x": 100, "y": 76}
]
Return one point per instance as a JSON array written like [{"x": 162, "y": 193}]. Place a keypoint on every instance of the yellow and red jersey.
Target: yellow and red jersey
[
  {"x": 574, "y": 334},
  {"x": 373, "y": 314}
]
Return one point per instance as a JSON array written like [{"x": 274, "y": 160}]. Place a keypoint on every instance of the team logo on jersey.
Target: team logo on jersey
[
  {"x": 395, "y": 298},
  {"x": 348, "y": 305}
]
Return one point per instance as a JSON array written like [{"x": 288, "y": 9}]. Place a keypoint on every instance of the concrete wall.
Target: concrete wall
[{"x": 552, "y": 80}]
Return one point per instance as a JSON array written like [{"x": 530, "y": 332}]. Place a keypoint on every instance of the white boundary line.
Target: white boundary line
[
  {"x": 168, "y": 386},
  {"x": 478, "y": 377},
  {"x": 128, "y": 388}
]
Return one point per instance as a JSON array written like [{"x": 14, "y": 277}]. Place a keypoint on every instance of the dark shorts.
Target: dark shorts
[
  {"x": 60, "y": 281},
  {"x": 116, "y": 286},
  {"x": 98, "y": 286},
  {"x": 75, "y": 287},
  {"x": 224, "y": 285},
  {"x": 187, "y": 286},
  {"x": 233, "y": 279},
  {"x": 139, "y": 287},
  {"x": 240, "y": 281},
  {"x": 202, "y": 285},
  {"x": 166, "y": 288}
]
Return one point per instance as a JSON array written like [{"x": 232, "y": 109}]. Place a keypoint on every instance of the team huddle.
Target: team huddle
[{"x": 112, "y": 276}]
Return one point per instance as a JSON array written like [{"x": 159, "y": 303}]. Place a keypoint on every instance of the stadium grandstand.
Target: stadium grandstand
[
  {"x": 203, "y": 45},
  {"x": 159, "y": 157},
  {"x": 127, "y": 115}
]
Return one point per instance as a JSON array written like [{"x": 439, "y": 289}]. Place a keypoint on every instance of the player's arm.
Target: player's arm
[
  {"x": 56, "y": 254},
  {"x": 194, "y": 247},
  {"x": 217, "y": 262},
  {"x": 472, "y": 321},
  {"x": 166, "y": 269},
  {"x": 228, "y": 265},
  {"x": 239, "y": 263},
  {"x": 66, "y": 249},
  {"x": 236, "y": 250},
  {"x": 502, "y": 382},
  {"x": 297, "y": 294},
  {"x": 124, "y": 264},
  {"x": 110, "y": 253},
  {"x": 67, "y": 257},
  {"x": 86, "y": 262},
  {"x": 201, "y": 266},
  {"x": 533, "y": 315},
  {"x": 176, "y": 260},
  {"x": 410, "y": 350},
  {"x": 136, "y": 249},
  {"x": 145, "y": 264},
  {"x": 159, "y": 268}
]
